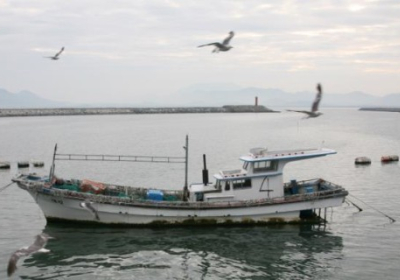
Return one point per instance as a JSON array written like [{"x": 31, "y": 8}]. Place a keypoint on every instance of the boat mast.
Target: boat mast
[
  {"x": 185, "y": 187},
  {"x": 52, "y": 168}
]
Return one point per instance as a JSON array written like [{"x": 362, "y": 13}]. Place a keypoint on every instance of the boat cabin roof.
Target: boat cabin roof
[{"x": 260, "y": 154}]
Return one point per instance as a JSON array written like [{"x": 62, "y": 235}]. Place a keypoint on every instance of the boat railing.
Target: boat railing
[
  {"x": 124, "y": 158},
  {"x": 141, "y": 201},
  {"x": 321, "y": 184}
]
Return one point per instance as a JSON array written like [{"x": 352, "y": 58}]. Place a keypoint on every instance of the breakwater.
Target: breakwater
[
  {"x": 380, "y": 109},
  {"x": 121, "y": 111}
]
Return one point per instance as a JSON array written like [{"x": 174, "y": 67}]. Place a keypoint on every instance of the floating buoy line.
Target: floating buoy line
[
  {"x": 21, "y": 164},
  {"x": 384, "y": 159}
]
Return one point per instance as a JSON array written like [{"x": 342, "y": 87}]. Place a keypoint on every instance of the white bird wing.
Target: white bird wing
[
  {"x": 227, "y": 39},
  {"x": 12, "y": 262},
  {"x": 318, "y": 97},
  {"x": 88, "y": 206},
  {"x": 38, "y": 245},
  {"x": 218, "y": 45},
  {"x": 57, "y": 54},
  {"x": 299, "y": 111},
  {"x": 304, "y": 112}
]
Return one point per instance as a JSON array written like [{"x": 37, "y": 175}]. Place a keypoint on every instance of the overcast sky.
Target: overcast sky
[{"x": 138, "y": 51}]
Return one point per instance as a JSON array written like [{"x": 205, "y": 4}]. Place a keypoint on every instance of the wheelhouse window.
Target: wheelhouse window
[
  {"x": 241, "y": 184},
  {"x": 227, "y": 185},
  {"x": 265, "y": 166},
  {"x": 245, "y": 165},
  {"x": 217, "y": 185}
]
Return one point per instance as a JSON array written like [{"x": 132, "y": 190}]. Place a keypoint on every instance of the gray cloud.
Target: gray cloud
[{"x": 139, "y": 50}]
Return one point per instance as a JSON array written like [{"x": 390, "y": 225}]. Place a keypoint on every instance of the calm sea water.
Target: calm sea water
[{"x": 353, "y": 245}]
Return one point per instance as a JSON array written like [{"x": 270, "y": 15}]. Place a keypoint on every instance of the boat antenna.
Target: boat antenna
[
  {"x": 185, "y": 187},
  {"x": 205, "y": 171}
]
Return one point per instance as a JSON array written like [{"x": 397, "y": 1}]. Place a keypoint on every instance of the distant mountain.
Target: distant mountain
[
  {"x": 206, "y": 95},
  {"x": 27, "y": 99}
]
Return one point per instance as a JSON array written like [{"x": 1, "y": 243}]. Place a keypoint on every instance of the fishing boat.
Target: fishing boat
[{"x": 252, "y": 194}]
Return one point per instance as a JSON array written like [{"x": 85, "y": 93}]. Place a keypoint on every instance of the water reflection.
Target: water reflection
[{"x": 186, "y": 253}]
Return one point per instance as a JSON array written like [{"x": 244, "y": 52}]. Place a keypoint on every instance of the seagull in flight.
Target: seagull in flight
[
  {"x": 314, "y": 108},
  {"x": 87, "y": 204},
  {"x": 56, "y": 56},
  {"x": 221, "y": 47},
  {"x": 37, "y": 246}
]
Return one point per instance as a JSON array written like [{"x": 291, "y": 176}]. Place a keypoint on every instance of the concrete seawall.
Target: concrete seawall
[
  {"x": 122, "y": 111},
  {"x": 380, "y": 109}
]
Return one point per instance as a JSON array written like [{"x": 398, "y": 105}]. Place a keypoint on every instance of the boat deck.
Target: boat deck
[{"x": 315, "y": 189}]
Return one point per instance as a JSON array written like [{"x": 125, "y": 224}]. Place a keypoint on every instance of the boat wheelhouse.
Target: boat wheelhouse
[
  {"x": 261, "y": 177},
  {"x": 254, "y": 194}
]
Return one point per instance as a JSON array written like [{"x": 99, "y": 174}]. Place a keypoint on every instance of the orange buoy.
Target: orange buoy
[{"x": 389, "y": 158}]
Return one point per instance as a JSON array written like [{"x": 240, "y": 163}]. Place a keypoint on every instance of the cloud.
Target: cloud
[{"x": 157, "y": 40}]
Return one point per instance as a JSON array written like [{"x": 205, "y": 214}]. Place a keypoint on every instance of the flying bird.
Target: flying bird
[
  {"x": 221, "y": 47},
  {"x": 87, "y": 204},
  {"x": 314, "y": 108},
  {"x": 37, "y": 246},
  {"x": 56, "y": 56}
]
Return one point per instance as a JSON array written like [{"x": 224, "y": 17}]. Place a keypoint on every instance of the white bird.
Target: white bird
[
  {"x": 314, "y": 108},
  {"x": 56, "y": 56},
  {"x": 221, "y": 47},
  {"x": 37, "y": 246},
  {"x": 87, "y": 204}
]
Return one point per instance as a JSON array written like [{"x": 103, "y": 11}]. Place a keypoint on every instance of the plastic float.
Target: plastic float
[
  {"x": 389, "y": 158},
  {"x": 362, "y": 160},
  {"x": 5, "y": 165}
]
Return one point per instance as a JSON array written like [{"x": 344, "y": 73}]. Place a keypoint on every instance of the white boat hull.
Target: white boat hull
[{"x": 69, "y": 209}]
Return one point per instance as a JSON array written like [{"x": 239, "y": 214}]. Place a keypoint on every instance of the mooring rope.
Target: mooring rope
[
  {"x": 387, "y": 216},
  {"x": 355, "y": 205},
  {"x": 5, "y": 187}
]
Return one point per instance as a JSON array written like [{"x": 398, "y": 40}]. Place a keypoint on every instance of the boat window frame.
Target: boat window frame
[
  {"x": 245, "y": 165},
  {"x": 218, "y": 185},
  {"x": 241, "y": 184},
  {"x": 227, "y": 186},
  {"x": 273, "y": 166}
]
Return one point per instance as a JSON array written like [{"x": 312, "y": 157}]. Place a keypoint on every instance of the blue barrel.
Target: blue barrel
[
  {"x": 294, "y": 186},
  {"x": 156, "y": 195},
  {"x": 309, "y": 189}
]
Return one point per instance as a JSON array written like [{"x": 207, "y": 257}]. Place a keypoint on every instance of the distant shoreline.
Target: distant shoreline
[
  {"x": 127, "y": 111},
  {"x": 380, "y": 109}
]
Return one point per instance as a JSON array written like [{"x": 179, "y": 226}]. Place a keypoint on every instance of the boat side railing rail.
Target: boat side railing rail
[
  {"x": 336, "y": 191},
  {"x": 126, "y": 158},
  {"x": 321, "y": 184}
]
